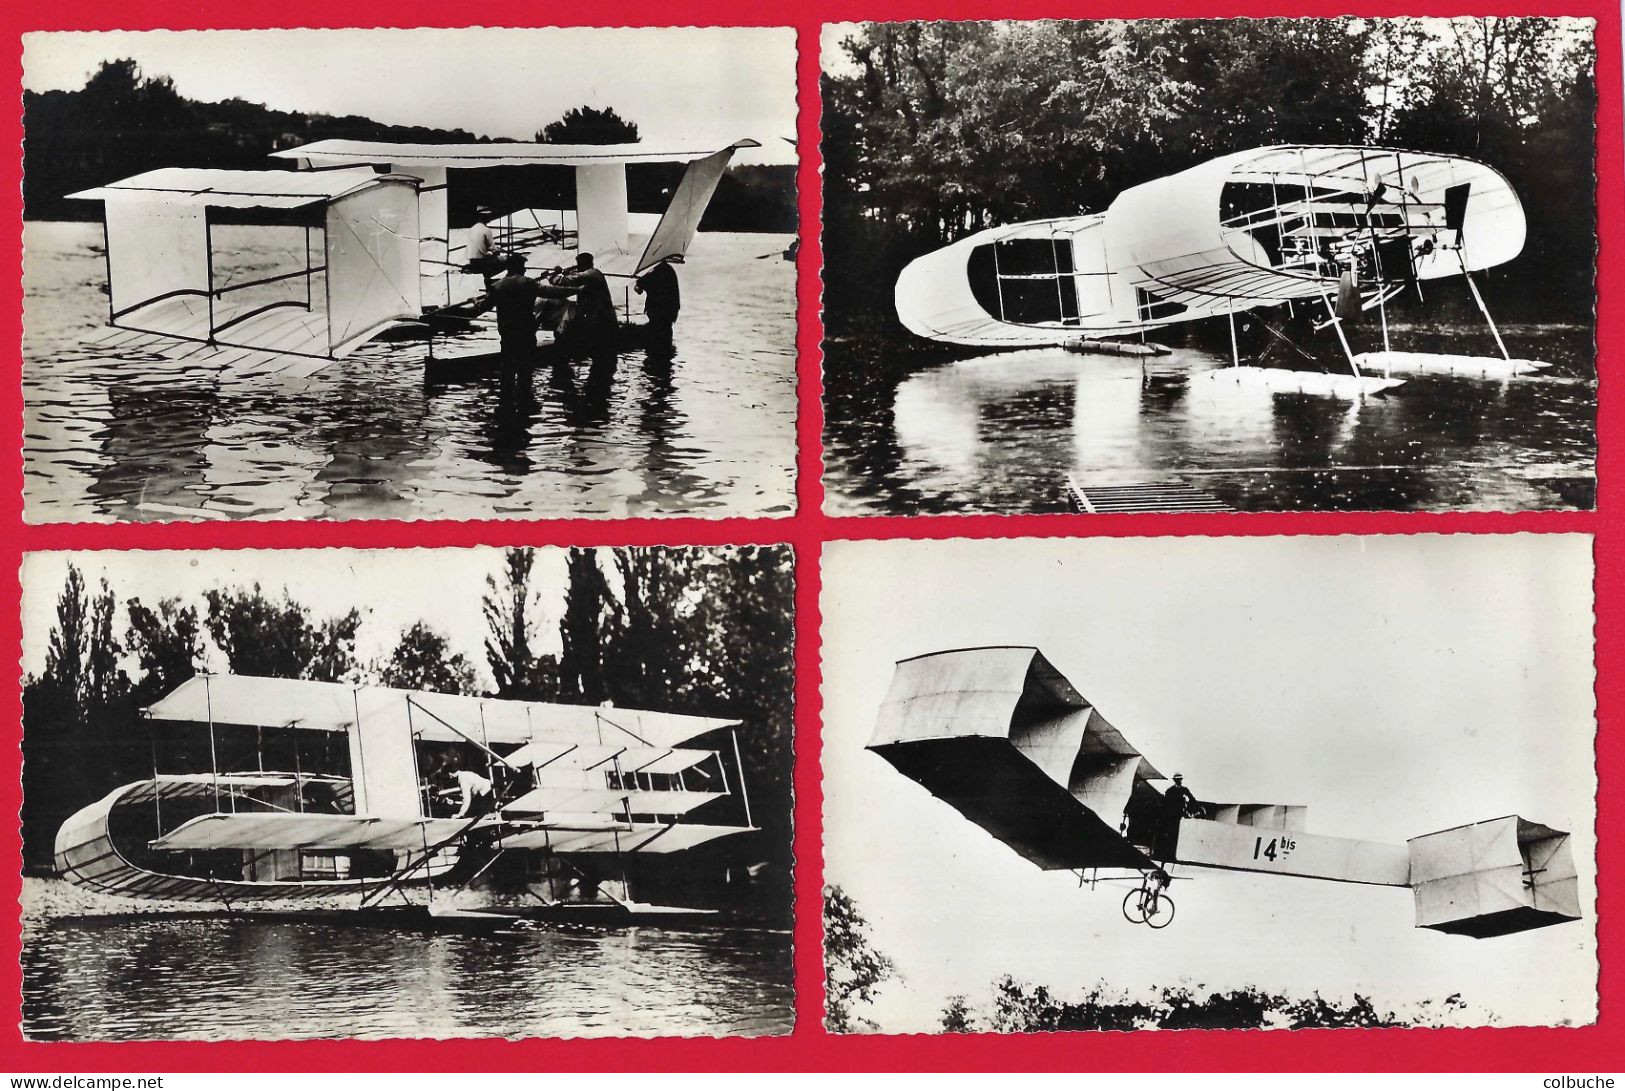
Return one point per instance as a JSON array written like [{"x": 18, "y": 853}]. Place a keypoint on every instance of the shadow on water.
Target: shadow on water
[
  {"x": 118, "y": 434},
  {"x": 1002, "y": 432},
  {"x": 126, "y": 978}
]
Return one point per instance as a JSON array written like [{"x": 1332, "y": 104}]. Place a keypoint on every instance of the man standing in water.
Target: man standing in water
[
  {"x": 515, "y": 297},
  {"x": 661, "y": 301},
  {"x": 592, "y": 331}
]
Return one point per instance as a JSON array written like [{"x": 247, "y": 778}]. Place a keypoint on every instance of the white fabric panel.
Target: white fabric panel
[
  {"x": 331, "y": 152},
  {"x": 1204, "y": 843},
  {"x": 601, "y": 209},
  {"x": 234, "y": 188},
  {"x": 154, "y": 247},
  {"x": 384, "y": 769},
  {"x": 330, "y": 706},
  {"x": 970, "y": 692},
  {"x": 434, "y": 230},
  {"x": 263, "y": 832},
  {"x": 675, "y": 232},
  {"x": 1106, "y": 786},
  {"x": 372, "y": 262},
  {"x": 1053, "y": 744}
]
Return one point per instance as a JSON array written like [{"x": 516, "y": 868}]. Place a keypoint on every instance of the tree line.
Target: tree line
[
  {"x": 855, "y": 970},
  {"x": 697, "y": 631},
  {"x": 933, "y": 130},
  {"x": 124, "y": 122}
]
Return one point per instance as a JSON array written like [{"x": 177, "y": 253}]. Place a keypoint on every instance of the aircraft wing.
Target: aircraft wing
[{"x": 1003, "y": 738}]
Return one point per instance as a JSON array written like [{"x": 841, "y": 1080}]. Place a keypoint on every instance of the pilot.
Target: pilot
[
  {"x": 478, "y": 795},
  {"x": 1178, "y": 803},
  {"x": 481, "y": 248}
]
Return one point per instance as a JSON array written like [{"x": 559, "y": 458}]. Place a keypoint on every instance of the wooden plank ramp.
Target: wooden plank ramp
[{"x": 1160, "y": 497}]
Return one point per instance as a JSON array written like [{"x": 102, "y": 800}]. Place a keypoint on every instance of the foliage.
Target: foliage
[
  {"x": 1019, "y": 1007},
  {"x": 278, "y": 638},
  {"x": 934, "y": 130},
  {"x": 75, "y": 715},
  {"x": 703, "y": 632},
  {"x": 509, "y": 606},
  {"x": 167, "y": 642},
  {"x": 124, "y": 122},
  {"x": 422, "y": 659},
  {"x": 589, "y": 125},
  {"x": 853, "y": 968}
]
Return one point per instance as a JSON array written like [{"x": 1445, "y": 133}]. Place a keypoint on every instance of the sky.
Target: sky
[
  {"x": 1395, "y": 685},
  {"x": 393, "y": 588},
  {"x": 691, "y": 86}
]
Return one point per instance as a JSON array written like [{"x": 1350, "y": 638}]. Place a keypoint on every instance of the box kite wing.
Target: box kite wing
[
  {"x": 259, "y": 270},
  {"x": 600, "y": 223},
  {"x": 1001, "y": 737}
]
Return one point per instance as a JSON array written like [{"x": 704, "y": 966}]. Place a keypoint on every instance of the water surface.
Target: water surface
[
  {"x": 1002, "y": 432},
  {"x": 114, "y": 435},
  {"x": 203, "y": 978}
]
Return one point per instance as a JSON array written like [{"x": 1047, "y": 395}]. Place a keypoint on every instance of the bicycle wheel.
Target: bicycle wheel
[
  {"x": 1162, "y": 914},
  {"x": 1134, "y": 906}
]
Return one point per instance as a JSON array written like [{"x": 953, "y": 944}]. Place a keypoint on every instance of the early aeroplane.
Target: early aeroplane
[
  {"x": 353, "y": 247},
  {"x": 1342, "y": 229},
  {"x": 1002, "y": 737},
  {"x": 279, "y": 789}
]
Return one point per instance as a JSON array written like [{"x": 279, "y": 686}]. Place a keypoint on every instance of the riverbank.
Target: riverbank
[{"x": 45, "y": 900}]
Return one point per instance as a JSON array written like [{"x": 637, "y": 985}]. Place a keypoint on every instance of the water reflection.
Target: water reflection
[
  {"x": 114, "y": 432},
  {"x": 216, "y": 977},
  {"x": 1002, "y": 432}
]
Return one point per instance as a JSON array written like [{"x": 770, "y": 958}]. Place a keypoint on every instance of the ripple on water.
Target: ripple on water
[
  {"x": 122, "y": 978},
  {"x": 141, "y": 437}
]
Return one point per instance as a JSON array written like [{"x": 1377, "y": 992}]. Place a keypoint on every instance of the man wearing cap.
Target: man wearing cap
[
  {"x": 515, "y": 297},
  {"x": 1178, "y": 803},
  {"x": 592, "y": 331},
  {"x": 481, "y": 248}
]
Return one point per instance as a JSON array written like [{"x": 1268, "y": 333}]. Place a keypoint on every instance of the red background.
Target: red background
[{"x": 1585, "y": 1049}]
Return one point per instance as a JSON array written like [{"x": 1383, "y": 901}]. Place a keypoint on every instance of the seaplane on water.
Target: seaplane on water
[
  {"x": 1342, "y": 229},
  {"x": 284, "y": 789},
  {"x": 351, "y": 252},
  {"x": 1002, "y": 737}
]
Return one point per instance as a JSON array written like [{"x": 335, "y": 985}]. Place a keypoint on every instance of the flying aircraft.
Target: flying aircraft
[
  {"x": 351, "y": 251},
  {"x": 1001, "y": 736},
  {"x": 1339, "y": 229},
  {"x": 287, "y": 790}
]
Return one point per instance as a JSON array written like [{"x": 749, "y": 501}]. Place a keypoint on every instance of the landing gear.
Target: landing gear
[{"x": 1149, "y": 903}]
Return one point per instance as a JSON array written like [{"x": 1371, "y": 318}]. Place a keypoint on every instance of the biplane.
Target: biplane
[
  {"x": 1001, "y": 736},
  {"x": 1336, "y": 229},
  {"x": 352, "y": 250},
  {"x": 270, "y": 789}
]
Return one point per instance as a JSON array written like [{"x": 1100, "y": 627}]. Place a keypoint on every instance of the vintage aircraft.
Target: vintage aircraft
[
  {"x": 283, "y": 789},
  {"x": 334, "y": 259},
  {"x": 999, "y": 735},
  {"x": 1340, "y": 228}
]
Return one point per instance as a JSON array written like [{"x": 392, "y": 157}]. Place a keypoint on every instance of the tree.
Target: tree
[
  {"x": 509, "y": 603},
  {"x": 581, "y": 658},
  {"x": 422, "y": 659},
  {"x": 167, "y": 643},
  {"x": 589, "y": 125},
  {"x": 957, "y": 1017},
  {"x": 1018, "y": 1007},
  {"x": 77, "y": 716},
  {"x": 279, "y": 638},
  {"x": 853, "y": 968}
]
